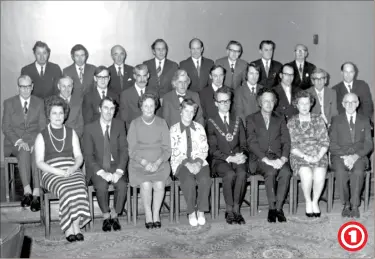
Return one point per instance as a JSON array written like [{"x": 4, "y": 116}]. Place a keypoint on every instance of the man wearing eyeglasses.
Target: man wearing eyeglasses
[
  {"x": 325, "y": 97},
  {"x": 286, "y": 92},
  {"x": 352, "y": 85},
  {"x": 350, "y": 144},
  {"x": 234, "y": 66},
  {"x": 303, "y": 69},
  {"x": 92, "y": 99},
  {"x": 23, "y": 119}
]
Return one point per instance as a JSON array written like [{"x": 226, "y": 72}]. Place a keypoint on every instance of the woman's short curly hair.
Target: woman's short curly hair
[
  {"x": 303, "y": 94},
  {"x": 55, "y": 100},
  {"x": 146, "y": 96}
]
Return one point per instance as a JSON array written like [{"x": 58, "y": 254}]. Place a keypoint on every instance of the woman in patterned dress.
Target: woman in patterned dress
[
  {"x": 58, "y": 156},
  {"x": 309, "y": 146},
  {"x": 149, "y": 151}
]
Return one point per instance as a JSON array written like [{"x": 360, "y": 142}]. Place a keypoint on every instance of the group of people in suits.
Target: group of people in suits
[{"x": 226, "y": 119}]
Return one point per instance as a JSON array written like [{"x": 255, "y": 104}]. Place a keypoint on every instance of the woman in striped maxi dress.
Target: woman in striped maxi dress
[{"x": 58, "y": 156}]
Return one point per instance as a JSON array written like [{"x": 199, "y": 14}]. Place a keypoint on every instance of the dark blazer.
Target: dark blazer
[
  {"x": 206, "y": 97},
  {"x": 171, "y": 107},
  {"x": 239, "y": 75},
  {"x": 340, "y": 138},
  {"x": 273, "y": 74},
  {"x": 360, "y": 88},
  {"x": 330, "y": 103},
  {"x": 197, "y": 83},
  {"x": 245, "y": 102},
  {"x": 94, "y": 146},
  {"x": 308, "y": 68},
  {"x": 90, "y": 105},
  {"x": 128, "y": 79},
  {"x": 275, "y": 140},
  {"x": 75, "y": 118},
  {"x": 170, "y": 67},
  {"x": 88, "y": 79},
  {"x": 219, "y": 148},
  {"x": 47, "y": 85},
  {"x": 18, "y": 126},
  {"x": 283, "y": 106}
]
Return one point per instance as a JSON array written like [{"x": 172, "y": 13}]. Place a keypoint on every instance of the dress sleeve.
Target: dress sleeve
[
  {"x": 321, "y": 133},
  {"x": 294, "y": 140},
  {"x": 132, "y": 142},
  {"x": 166, "y": 141}
]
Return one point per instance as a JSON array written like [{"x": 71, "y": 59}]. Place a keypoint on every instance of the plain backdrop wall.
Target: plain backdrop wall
[{"x": 345, "y": 30}]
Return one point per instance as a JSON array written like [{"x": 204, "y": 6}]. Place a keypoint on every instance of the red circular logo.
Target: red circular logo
[{"x": 352, "y": 236}]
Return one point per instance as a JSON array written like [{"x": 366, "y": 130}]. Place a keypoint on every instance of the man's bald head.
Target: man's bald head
[
  {"x": 350, "y": 102},
  {"x": 118, "y": 54}
]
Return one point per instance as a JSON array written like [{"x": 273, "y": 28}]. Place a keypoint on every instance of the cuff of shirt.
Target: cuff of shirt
[
  {"x": 17, "y": 142},
  {"x": 119, "y": 171},
  {"x": 100, "y": 171}
]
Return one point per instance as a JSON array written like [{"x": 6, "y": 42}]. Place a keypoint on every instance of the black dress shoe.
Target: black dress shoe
[
  {"x": 116, "y": 224},
  {"x": 79, "y": 237},
  {"x": 271, "y": 216},
  {"x": 26, "y": 200},
  {"x": 107, "y": 224},
  {"x": 71, "y": 238},
  {"x": 316, "y": 215},
  {"x": 157, "y": 224},
  {"x": 355, "y": 213},
  {"x": 230, "y": 218},
  {"x": 239, "y": 219},
  {"x": 309, "y": 215},
  {"x": 35, "y": 204},
  {"x": 280, "y": 216},
  {"x": 149, "y": 225},
  {"x": 346, "y": 211}
]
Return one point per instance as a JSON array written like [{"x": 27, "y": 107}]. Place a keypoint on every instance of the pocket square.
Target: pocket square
[
  {"x": 130, "y": 79},
  {"x": 363, "y": 130}
]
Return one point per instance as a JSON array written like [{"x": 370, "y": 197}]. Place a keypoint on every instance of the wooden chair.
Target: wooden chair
[
  {"x": 9, "y": 164},
  {"x": 177, "y": 199},
  {"x": 367, "y": 190}
]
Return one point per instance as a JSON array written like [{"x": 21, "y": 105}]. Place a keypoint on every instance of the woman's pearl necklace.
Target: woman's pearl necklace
[
  {"x": 51, "y": 136},
  {"x": 148, "y": 123}
]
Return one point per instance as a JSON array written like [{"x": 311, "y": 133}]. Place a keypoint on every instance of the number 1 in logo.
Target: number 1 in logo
[{"x": 352, "y": 236}]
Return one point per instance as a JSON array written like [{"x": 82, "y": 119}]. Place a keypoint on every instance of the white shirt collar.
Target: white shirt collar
[
  {"x": 100, "y": 91},
  {"x": 39, "y": 67},
  {"x": 222, "y": 116},
  {"x": 199, "y": 60},
  {"x": 139, "y": 89},
  {"x": 250, "y": 86},
  {"x": 157, "y": 62},
  {"x": 104, "y": 126},
  {"x": 70, "y": 97},
  {"x": 180, "y": 94},
  {"x": 232, "y": 62},
  {"x": 300, "y": 63},
  {"x": 78, "y": 71},
  {"x": 321, "y": 91},
  {"x": 117, "y": 66},
  {"x": 347, "y": 85},
  {"x": 215, "y": 87},
  {"x": 23, "y": 101},
  {"x": 264, "y": 62},
  {"x": 354, "y": 116}
]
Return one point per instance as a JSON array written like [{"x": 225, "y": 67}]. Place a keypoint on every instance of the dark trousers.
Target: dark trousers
[
  {"x": 26, "y": 165},
  {"x": 271, "y": 175},
  {"x": 234, "y": 179},
  {"x": 188, "y": 184},
  {"x": 101, "y": 188},
  {"x": 345, "y": 177}
]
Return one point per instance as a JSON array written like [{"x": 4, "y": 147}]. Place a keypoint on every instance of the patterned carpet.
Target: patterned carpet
[{"x": 299, "y": 237}]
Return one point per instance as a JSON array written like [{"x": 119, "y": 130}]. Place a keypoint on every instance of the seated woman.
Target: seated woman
[
  {"x": 58, "y": 156},
  {"x": 308, "y": 155},
  {"x": 149, "y": 151},
  {"x": 188, "y": 161}
]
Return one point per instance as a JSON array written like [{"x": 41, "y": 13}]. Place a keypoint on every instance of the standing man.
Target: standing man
[
  {"x": 325, "y": 97},
  {"x": 197, "y": 66},
  {"x": 269, "y": 68},
  {"x": 75, "y": 117},
  {"x": 81, "y": 72},
  {"x": 352, "y": 85},
  {"x": 245, "y": 102},
  {"x": 234, "y": 66},
  {"x": 351, "y": 143},
  {"x": 23, "y": 119},
  {"x": 106, "y": 155},
  {"x": 227, "y": 142},
  {"x": 268, "y": 141},
  {"x": 92, "y": 99},
  {"x": 161, "y": 69},
  {"x": 43, "y": 73},
  {"x": 286, "y": 92},
  {"x": 302, "y": 79},
  {"x": 120, "y": 73}
]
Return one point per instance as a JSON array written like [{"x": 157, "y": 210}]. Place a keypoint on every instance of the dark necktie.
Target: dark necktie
[
  {"x": 25, "y": 107},
  {"x": 300, "y": 70},
  {"x": 41, "y": 71},
  {"x": 103, "y": 94},
  {"x": 351, "y": 123},
  {"x": 158, "y": 72},
  {"x": 198, "y": 68},
  {"x": 253, "y": 90},
  {"x": 226, "y": 124},
  {"x": 350, "y": 88},
  {"x": 232, "y": 73},
  {"x": 81, "y": 74},
  {"x": 106, "y": 151},
  {"x": 141, "y": 93},
  {"x": 121, "y": 77}
]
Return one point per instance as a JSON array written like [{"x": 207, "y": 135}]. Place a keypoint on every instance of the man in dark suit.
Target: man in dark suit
[
  {"x": 92, "y": 99},
  {"x": 121, "y": 74},
  {"x": 44, "y": 74},
  {"x": 325, "y": 97},
  {"x": 197, "y": 66},
  {"x": 227, "y": 142},
  {"x": 245, "y": 102},
  {"x": 303, "y": 69},
  {"x": 285, "y": 93},
  {"x": 81, "y": 72},
  {"x": 172, "y": 100},
  {"x": 351, "y": 143},
  {"x": 106, "y": 155},
  {"x": 359, "y": 87},
  {"x": 161, "y": 69},
  {"x": 206, "y": 96},
  {"x": 234, "y": 66},
  {"x": 269, "y": 68},
  {"x": 268, "y": 141},
  {"x": 23, "y": 119},
  {"x": 75, "y": 118}
]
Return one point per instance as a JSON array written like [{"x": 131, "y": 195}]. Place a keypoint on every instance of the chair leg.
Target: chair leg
[
  {"x": 177, "y": 201},
  {"x": 367, "y": 191},
  {"x": 217, "y": 198},
  {"x": 135, "y": 207},
  {"x": 171, "y": 202},
  {"x": 256, "y": 193},
  {"x": 7, "y": 193},
  {"x": 213, "y": 199},
  {"x": 291, "y": 195},
  {"x": 128, "y": 205},
  {"x": 91, "y": 207},
  {"x": 330, "y": 193},
  {"x": 251, "y": 197},
  {"x": 12, "y": 181},
  {"x": 295, "y": 196},
  {"x": 47, "y": 212}
]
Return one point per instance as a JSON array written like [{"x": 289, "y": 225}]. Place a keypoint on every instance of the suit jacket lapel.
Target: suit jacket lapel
[
  {"x": 100, "y": 136},
  {"x": 175, "y": 100},
  {"x": 31, "y": 110},
  {"x": 165, "y": 68},
  {"x": 194, "y": 68},
  {"x": 357, "y": 128},
  {"x": 326, "y": 101},
  {"x": 86, "y": 74},
  {"x": 112, "y": 135}
]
